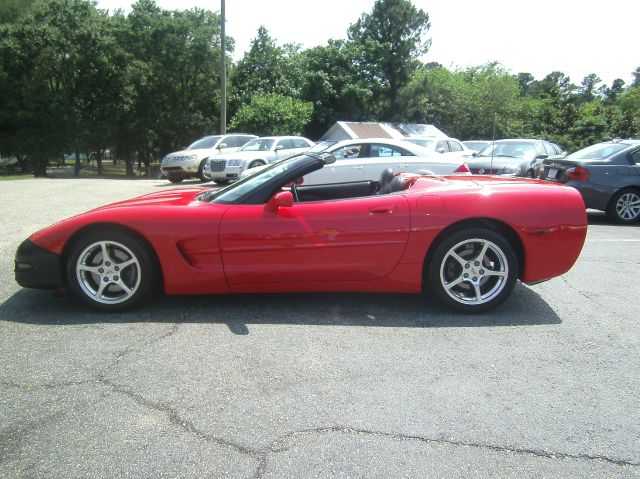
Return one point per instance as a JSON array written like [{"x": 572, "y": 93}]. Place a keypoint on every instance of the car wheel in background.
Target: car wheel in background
[
  {"x": 221, "y": 182},
  {"x": 472, "y": 270},
  {"x": 625, "y": 206},
  {"x": 201, "y": 174},
  {"x": 175, "y": 178},
  {"x": 111, "y": 270},
  {"x": 256, "y": 163}
]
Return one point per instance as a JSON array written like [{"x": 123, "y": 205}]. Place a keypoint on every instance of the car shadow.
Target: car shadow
[
  {"x": 595, "y": 217},
  {"x": 524, "y": 308}
]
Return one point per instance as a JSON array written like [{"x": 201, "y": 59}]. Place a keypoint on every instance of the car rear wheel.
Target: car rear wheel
[
  {"x": 473, "y": 270},
  {"x": 111, "y": 270},
  {"x": 255, "y": 164},
  {"x": 625, "y": 206},
  {"x": 175, "y": 178}
]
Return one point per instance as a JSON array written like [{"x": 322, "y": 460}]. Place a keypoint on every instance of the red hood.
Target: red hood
[{"x": 175, "y": 197}]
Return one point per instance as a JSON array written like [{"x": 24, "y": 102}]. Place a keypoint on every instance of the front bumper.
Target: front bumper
[
  {"x": 220, "y": 170},
  {"x": 181, "y": 167},
  {"x": 36, "y": 267}
]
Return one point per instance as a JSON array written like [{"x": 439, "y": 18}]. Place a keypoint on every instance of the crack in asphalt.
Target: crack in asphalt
[
  {"x": 175, "y": 419},
  {"x": 31, "y": 387},
  {"x": 274, "y": 448},
  {"x": 174, "y": 329}
]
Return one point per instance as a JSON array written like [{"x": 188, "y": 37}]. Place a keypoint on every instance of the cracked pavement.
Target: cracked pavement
[{"x": 318, "y": 385}]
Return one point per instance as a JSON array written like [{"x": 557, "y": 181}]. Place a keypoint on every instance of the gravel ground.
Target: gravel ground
[{"x": 318, "y": 385}]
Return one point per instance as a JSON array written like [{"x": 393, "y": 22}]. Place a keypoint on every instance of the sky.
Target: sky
[{"x": 572, "y": 36}]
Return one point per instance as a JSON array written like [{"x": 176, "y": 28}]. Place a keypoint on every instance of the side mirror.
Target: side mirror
[
  {"x": 222, "y": 145},
  {"x": 474, "y": 154},
  {"x": 282, "y": 199},
  {"x": 439, "y": 150},
  {"x": 542, "y": 157},
  {"x": 279, "y": 147}
]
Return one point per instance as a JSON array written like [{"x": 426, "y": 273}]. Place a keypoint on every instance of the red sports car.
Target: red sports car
[{"x": 464, "y": 240}]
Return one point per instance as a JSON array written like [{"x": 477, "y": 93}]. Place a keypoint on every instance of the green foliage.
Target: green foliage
[
  {"x": 272, "y": 114},
  {"x": 391, "y": 36},
  {"x": 266, "y": 68},
  {"x": 335, "y": 85}
]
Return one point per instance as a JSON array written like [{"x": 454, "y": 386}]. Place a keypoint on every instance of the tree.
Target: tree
[
  {"x": 335, "y": 85},
  {"x": 272, "y": 114},
  {"x": 266, "y": 68},
  {"x": 636, "y": 78},
  {"x": 392, "y": 38},
  {"x": 588, "y": 87}
]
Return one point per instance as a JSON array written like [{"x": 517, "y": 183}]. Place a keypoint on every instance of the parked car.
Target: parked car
[
  {"x": 366, "y": 159},
  {"x": 476, "y": 145},
  {"x": 513, "y": 157},
  {"x": 607, "y": 175},
  {"x": 445, "y": 146},
  {"x": 191, "y": 161},
  {"x": 258, "y": 152},
  {"x": 464, "y": 241}
]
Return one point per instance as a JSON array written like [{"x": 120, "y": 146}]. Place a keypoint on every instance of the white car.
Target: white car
[
  {"x": 366, "y": 159},
  {"x": 258, "y": 152},
  {"x": 190, "y": 162},
  {"x": 442, "y": 145}
]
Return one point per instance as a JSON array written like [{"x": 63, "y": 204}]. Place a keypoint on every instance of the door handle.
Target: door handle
[
  {"x": 357, "y": 167},
  {"x": 382, "y": 210}
]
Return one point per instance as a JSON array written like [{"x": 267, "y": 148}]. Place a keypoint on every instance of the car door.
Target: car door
[
  {"x": 349, "y": 166},
  {"x": 384, "y": 156},
  {"x": 355, "y": 239}
]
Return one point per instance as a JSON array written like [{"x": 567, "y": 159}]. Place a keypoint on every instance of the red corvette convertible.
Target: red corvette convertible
[{"x": 465, "y": 240}]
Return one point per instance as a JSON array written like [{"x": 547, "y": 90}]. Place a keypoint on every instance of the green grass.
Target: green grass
[{"x": 15, "y": 177}]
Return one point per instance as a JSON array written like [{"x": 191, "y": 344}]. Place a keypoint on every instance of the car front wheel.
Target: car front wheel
[
  {"x": 625, "y": 206},
  {"x": 111, "y": 270},
  {"x": 201, "y": 174},
  {"x": 472, "y": 270}
]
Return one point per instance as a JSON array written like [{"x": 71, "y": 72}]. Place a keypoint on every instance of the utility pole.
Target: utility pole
[{"x": 223, "y": 73}]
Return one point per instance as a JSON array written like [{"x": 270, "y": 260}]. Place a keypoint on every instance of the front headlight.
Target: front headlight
[
  {"x": 235, "y": 162},
  {"x": 192, "y": 157}
]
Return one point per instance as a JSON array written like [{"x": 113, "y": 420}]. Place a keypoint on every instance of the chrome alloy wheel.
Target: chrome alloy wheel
[
  {"x": 628, "y": 206},
  {"x": 474, "y": 271},
  {"x": 108, "y": 272}
]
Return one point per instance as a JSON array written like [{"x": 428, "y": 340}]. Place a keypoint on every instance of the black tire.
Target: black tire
[
  {"x": 201, "y": 174},
  {"x": 175, "y": 178},
  {"x": 256, "y": 163},
  {"x": 488, "y": 281},
  {"x": 624, "y": 207},
  {"x": 101, "y": 283},
  {"x": 221, "y": 182}
]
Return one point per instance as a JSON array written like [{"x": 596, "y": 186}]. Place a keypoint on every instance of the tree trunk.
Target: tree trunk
[
  {"x": 40, "y": 167},
  {"x": 77, "y": 166}
]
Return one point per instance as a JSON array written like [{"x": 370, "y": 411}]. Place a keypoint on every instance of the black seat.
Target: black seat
[{"x": 390, "y": 183}]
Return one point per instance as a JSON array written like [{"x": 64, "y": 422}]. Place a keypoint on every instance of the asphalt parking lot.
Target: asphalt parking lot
[{"x": 318, "y": 385}]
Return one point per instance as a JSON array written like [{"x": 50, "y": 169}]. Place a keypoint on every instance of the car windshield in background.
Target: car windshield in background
[
  {"x": 598, "y": 152},
  {"x": 509, "y": 150},
  {"x": 204, "y": 143},
  {"x": 323, "y": 145},
  {"x": 475, "y": 145},
  {"x": 257, "y": 145},
  {"x": 423, "y": 143}
]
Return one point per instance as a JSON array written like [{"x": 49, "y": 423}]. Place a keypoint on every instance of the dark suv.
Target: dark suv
[{"x": 606, "y": 174}]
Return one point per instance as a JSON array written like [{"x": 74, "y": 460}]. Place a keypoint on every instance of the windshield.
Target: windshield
[
  {"x": 234, "y": 191},
  {"x": 512, "y": 149},
  {"x": 423, "y": 143},
  {"x": 598, "y": 152},
  {"x": 259, "y": 144},
  {"x": 475, "y": 145},
  {"x": 323, "y": 145},
  {"x": 204, "y": 143}
]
